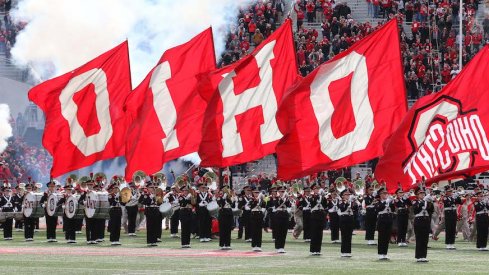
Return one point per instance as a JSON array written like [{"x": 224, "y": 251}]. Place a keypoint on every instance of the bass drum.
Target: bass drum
[
  {"x": 32, "y": 207},
  {"x": 213, "y": 209},
  {"x": 73, "y": 210},
  {"x": 97, "y": 205},
  {"x": 52, "y": 208}
]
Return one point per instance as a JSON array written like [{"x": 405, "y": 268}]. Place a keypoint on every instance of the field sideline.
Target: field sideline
[{"x": 133, "y": 257}]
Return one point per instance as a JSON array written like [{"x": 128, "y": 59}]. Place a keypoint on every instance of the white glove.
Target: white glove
[
  {"x": 388, "y": 200},
  {"x": 405, "y": 196}
]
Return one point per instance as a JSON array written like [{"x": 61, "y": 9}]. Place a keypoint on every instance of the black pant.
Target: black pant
[
  {"x": 225, "y": 226},
  {"x": 79, "y": 224},
  {"x": 186, "y": 223},
  {"x": 244, "y": 222},
  {"x": 481, "y": 221},
  {"x": 204, "y": 222},
  {"x": 7, "y": 228},
  {"x": 151, "y": 224},
  {"x": 450, "y": 226},
  {"x": 132, "y": 213},
  {"x": 256, "y": 225},
  {"x": 29, "y": 228},
  {"x": 115, "y": 215},
  {"x": 272, "y": 223},
  {"x": 317, "y": 226},
  {"x": 384, "y": 226},
  {"x": 51, "y": 223},
  {"x": 306, "y": 224},
  {"x": 71, "y": 226},
  {"x": 370, "y": 223},
  {"x": 36, "y": 223},
  {"x": 174, "y": 221},
  {"x": 334, "y": 225},
  {"x": 91, "y": 229},
  {"x": 346, "y": 226},
  {"x": 281, "y": 225},
  {"x": 100, "y": 229},
  {"x": 422, "y": 232},
  {"x": 159, "y": 225},
  {"x": 402, "y": 224}
]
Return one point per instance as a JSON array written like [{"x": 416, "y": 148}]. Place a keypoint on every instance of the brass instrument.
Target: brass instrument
[
  {"x": 210, "y": 177},
  {"x": 359, "y": 186},
  {"x": 73, "y": 177},
  {"x": 126, "y": 194},
  {"x": 339, "y": 182},
  {"x": 117, "y": 180},
  {"x": 159, "y": 195},
  {"x": 181, "y": 181},
  {"x": 139, "y": 177},
  {"x": 375, "y": 184},
  {"x": 100, "y": 178}
]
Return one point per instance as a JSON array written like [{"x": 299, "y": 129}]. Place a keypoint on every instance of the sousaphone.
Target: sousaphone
[
  {"x": 139, "y": 177},
  {"x": 340, "y": 183}
]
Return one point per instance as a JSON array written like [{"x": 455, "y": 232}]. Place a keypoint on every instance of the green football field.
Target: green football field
[{"x": 133, "y": 257}]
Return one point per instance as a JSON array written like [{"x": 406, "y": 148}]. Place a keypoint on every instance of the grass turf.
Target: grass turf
[{"x": 133, "y": 257}]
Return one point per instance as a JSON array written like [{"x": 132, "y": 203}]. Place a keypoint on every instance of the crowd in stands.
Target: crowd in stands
[
  {"x": 429, "y": 51},
  {"x": 8, "y": 29},
  {"x": 21, "y": 161}
]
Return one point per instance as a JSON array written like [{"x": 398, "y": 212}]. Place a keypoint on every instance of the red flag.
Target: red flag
[
  {"x": 166, "y": 110},
  {"x": 240, "y": 124},
  {"x": 444, "y": 135},
  {"x": 339, "y": 114},
  {"x": 85, "y": 121}
]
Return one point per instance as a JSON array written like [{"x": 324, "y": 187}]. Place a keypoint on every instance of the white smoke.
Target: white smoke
[
  {"x": 61, "y": 35},
  {"x": 5, "y": 128}
]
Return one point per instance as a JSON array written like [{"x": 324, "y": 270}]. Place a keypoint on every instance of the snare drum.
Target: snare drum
[
  {"x": 73, "y": 210},
  {"x": 18, "y": 216},
  {"x": 32, "y": 207},
  {"x": 97, "y": 205},
  {"x": 166, "y": 209},
  {"x": 52, "y": 208},
  {"x": 4, "y": 216},
  {"x": 213, "y": 209}
]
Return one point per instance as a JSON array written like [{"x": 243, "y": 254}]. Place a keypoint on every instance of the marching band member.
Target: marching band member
[
  {"x": 153, "y": 215},
  {"x": 481, "y": 208},
  {"x": 423, "y": 209},
  {"x": 172, "y": 197},
  {"x": 257, "y": 205},
  {"x": 282, "y": 217},
  {"x": 185, "y": 201},
  {"x": 29, "y": 223},
  {"x": 462, "y": 218},
  {"x": 99, "y": 222},
  {"x": 51, "y": 222},
  {"x": 334, "y": 219},
  {"x": 450, "y": 202},
  {"x": 90, "y": 223},
  {"x": 273, "y": 196},
  {"x": 115, "y": 214},
  {"x": 368, "y": 206},
  {"x": 402, "y": 204},
  {"x": 132, "y": 210},
  {"x": 225, "y": 199},
  {"x": 8, "y": 203},
  {"x": 19, "y": 193},
  {"x": 318, "y": 204},
  {"x": 304, "y": 204},
  {"x": 204, "y": 197},
  {"x": 244, "y": 220},
  {"x": 385, "y": 209},
  {"x": 70, "y": 225},
  {"x": 347, "y": 205}
]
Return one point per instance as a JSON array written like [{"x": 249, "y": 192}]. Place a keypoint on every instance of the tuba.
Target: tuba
[
  {"x": 160, "y": 180},
  {"x": 210, "y": 178},
  {"x": 340, "y": 183},
  {"x": 139, "y": 177},
  {"x": 359, "y": 186}
]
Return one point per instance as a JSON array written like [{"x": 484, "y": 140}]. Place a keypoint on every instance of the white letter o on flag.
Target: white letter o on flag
[
  {"x": 336, "y": 148},
  {"x": 97, "y": 142}
]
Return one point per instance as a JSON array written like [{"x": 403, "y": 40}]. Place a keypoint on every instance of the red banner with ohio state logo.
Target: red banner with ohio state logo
[
  {"x": 243, "y": 98},
  {"x": 340, "y": 114},
  {"x": 85, "y": 120},
  {"x": 166, "y": 111},
  {"x": 444, "y": 135}
]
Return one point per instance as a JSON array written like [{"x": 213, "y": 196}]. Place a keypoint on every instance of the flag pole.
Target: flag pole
[{"x": 460, "y": 22}]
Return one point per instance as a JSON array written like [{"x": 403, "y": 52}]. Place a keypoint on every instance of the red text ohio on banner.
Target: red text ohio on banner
[
  {"x": 166, "y": 110},
  {"x": 444, "y": 135},
  {"x": 240, "y": 124},
  {"x": 340, "y": 114},
  {"x": 85, "y": 121}
]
